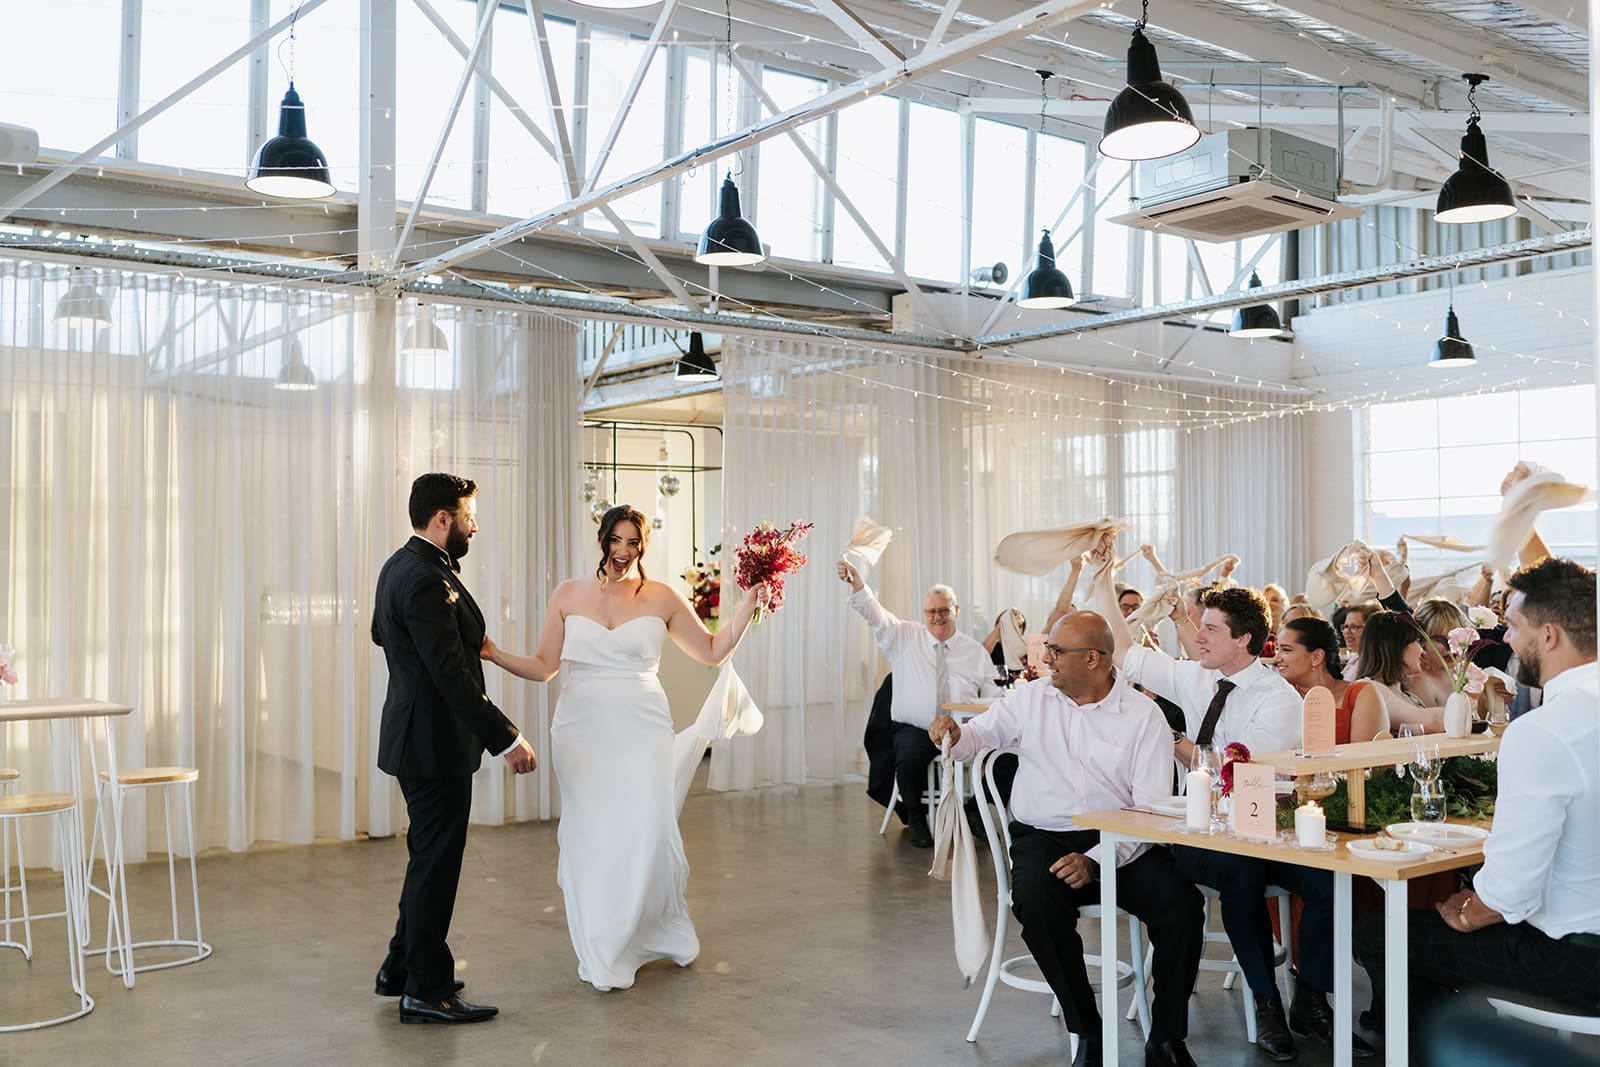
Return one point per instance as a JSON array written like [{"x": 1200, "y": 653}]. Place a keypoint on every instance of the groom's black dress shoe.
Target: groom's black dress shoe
[
  {"x": 1089, "y": 1053},
  {"x": 451, "y": 1009},
  {"x": 391, "y": 985},
  {"x": 1310, "y": 1013}
]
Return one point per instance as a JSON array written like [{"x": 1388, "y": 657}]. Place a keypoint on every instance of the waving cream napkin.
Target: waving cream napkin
[
  {"x": 1036, "y": 552},
  {"x": 1541, "y": 491},
  {"x": 1329, "y": 584},
  {"x": 1153, "y": 610},
  {"x": 866, "y": 544},
  {"x": 1014, "y": 645},
  {"x": 955, "y": 859},
  {"x": 727, "y": 712},
  {"x": 1449, "y": 585},
  {"x": 1449, "y": 542}
]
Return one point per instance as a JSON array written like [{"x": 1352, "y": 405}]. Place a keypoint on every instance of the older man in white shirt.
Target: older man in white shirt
[
  {"x": 932, "y": 665},
  {"x": 1087, "y": 742},
  {"x": 1529, "y": 927},
  {"x": 1227, "y": 694}
]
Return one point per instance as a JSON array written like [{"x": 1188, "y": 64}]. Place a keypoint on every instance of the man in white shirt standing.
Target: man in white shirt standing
[
  {"x": 1227, "y": 694},
  {"x": 1087, "y": 742},
  {"x": 1529, "y": 928},
  {"x": 932, "y": 665}
]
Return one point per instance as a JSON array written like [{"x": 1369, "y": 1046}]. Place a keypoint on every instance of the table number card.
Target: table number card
[
  {"x": 1318, "y": 724},
  {"x": 1254, "y": 802}
]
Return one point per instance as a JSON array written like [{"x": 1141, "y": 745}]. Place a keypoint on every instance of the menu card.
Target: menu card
[
  {"x": 1318, "y": 724},
  {"x": 1254, "y": 802}
]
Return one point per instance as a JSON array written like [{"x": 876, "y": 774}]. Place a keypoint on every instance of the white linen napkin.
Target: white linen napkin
[
  {"x": 866, "y": 545},
  {"x": 1038, "y": 552},
  {"x": 1543, "y": 490},
  {"x": 1153, "y": 610},
  {"x": 955, "y": 859}
]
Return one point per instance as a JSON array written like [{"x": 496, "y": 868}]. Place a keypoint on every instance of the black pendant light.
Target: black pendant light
[
  {"x": 1452, "y": 350},
  {"x": 730, "y": 240},
  {"x": 1149, "y": 119},
  {"x": 1475, "y": 192},
  {"x": 82, "y": 307},
  {"x": 296, "y": 374},
  {"x": 290, "y": 165},
  {"x": 1046, "y": 286},
  {"x": 1257, "y": 320},
  {"x": 695, "y": 365}
]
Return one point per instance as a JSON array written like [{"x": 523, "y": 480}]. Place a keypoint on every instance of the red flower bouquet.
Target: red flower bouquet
[
  {"x": 1233, "y": 753},
  {"x": 763, "y": 558}
]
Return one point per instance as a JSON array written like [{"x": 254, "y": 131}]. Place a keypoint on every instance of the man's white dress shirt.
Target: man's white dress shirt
[
  {"x": 1263, "y": 712},
  {"x": 914, "y": 660}
]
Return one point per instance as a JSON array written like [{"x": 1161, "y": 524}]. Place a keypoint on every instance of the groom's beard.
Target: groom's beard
[{"x": 456, "y": 542}]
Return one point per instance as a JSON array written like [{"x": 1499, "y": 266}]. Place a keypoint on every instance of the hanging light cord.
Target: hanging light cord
[
  {"x": 1473, "y": 81},
  {"x": 1144, "y": 17},
  {"x": 738, "y": 157},
  {"x": 289, "y": 42},
  {"x": 1044, "y": 77}
]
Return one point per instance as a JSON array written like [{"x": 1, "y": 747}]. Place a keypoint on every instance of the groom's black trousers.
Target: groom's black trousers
[{"x": 439, "y": 809}]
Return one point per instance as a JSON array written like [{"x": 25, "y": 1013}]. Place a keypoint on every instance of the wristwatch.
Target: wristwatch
[{"x": 1461, "y": 912}]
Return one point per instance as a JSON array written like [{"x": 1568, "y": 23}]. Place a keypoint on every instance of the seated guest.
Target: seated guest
[
  {"x": 1436, "y": 617},
  {"x": 1529, "y": 927},
  {"x": 1229, "y": 695},
  {"x": 1086, "y": 742},
  {"x": 1129, "y": 599},
  {"x": 1300, "y": 611},
  {"x": 1307, "y": 650},
  {"x": 932, "y": 665},
  {"x": 1350, "y": 628},
  {"x": 1391, "y": 658},
  {"x": 1277, "y": 603}
]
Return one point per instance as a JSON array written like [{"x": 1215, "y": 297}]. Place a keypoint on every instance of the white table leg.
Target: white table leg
[
  {"x": 1396, "y": 977},
  {"x": 1343, "y": 997},
  {"x": 1110, "y": 1012},
  {"x": 117, "y": 883}
]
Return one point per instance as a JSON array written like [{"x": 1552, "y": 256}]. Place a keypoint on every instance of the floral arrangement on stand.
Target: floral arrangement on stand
[
  {"x": 765, "y": 556},
  {"x": 705, "y": 589},
  {"x": 8, "y": 670},
  {"x": 1462, "y": 644},
  {"x": 1470, "y": 785}
]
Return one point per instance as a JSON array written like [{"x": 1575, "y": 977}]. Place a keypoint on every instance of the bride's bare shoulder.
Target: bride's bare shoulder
[
  {"x": 571, "y": 590},
  {"x": 663, "y": 594}
]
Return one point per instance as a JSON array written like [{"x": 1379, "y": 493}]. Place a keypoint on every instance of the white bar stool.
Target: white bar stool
[
  {"x": 1004, "y": 971},
  {"x": 64, "y": 808},
  {"x": 1565, "y": 1024},
  {"x": 8, "y": 831},
  {"x": 166, "y": 780}
]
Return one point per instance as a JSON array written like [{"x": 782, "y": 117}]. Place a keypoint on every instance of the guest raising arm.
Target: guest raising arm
[
  {"x": 932, "y": 664},
  {"x": 1069, "y": 589},
  {"x": 1087, "y": 742}
]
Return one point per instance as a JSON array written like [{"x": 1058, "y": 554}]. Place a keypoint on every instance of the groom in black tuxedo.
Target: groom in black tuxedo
[{"x": 437, "y": 723}]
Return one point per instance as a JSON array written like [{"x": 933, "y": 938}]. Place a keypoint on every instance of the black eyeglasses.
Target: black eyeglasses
[
  {"x": 1054, "y": 651},
  {"x": 937, "y": 613}
]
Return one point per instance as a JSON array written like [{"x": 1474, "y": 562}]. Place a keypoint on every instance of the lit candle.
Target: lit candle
[
  {"x": 1310, "y": 825},
  {"x": 1197, "y": 806}
]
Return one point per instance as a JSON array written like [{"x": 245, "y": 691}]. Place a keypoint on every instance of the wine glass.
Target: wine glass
[
  {"x": 1499, "y": 717},
  {"x": 1409, "y": 730},
  {"x": 1209, "y": 758},
  {"x": 1426, "y": 764}
]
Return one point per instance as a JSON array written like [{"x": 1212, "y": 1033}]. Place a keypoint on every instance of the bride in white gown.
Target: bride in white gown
[{"x": 622, "y": 869}]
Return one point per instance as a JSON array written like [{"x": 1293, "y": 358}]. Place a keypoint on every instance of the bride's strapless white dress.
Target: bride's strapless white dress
[{"x": 623, "y": 775}]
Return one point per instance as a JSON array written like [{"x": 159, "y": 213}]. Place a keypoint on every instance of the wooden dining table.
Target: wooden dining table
[
  {"x": 1391, "y": 874},
  {"x": 67, "y": 716}
]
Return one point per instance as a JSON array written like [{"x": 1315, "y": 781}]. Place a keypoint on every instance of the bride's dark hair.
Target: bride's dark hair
[{"x": 608, "y": 525}]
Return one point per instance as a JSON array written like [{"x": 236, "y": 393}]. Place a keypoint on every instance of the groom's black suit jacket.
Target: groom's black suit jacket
[{"x": 437, "y": 720}]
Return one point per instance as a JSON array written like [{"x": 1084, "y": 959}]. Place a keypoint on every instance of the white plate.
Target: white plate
[
  {"x": 1408, "y": 850},
  {"x": 1447, "y": 835},
  {"x": 1174, "y": 806}
]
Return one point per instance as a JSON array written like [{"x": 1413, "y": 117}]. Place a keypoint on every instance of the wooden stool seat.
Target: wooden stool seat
[
  {"x": 155, "y": 776},
  {"x": 9, "y": 774},
  {"x": 36, "y": 803}
]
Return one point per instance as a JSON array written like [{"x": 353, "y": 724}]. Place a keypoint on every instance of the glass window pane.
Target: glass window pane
[
  {"x": 207, "y": 129},
  {"x": 429, "y": 68},
  {"x": 87, "y": 33},
  {"x": 1000, "y": 163},
  {"x": 523, "y": 177},
  {"x": 1411, "y": 424},
  {"x": 1466, "y": 420},
  {"x": 697, "y": 188},
  {"x": 869, "y": 140},
  {"x": 1548, "y": 413},
  {"x": 933, "y": 194},
  {"x": 1109, "y": 272},
  {"x": 788, "y": 211},
  {"x": 612, "y": 60},
  {"x": 1403, "y": 475}
]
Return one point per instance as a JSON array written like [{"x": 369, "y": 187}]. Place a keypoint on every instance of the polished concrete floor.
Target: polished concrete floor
[{"x": 822, "y": 943}]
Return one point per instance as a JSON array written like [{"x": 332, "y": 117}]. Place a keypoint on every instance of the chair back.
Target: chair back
[{"x": 996, "y": 823}]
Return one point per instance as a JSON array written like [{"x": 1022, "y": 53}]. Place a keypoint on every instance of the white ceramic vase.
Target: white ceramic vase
[{"x": 1457, "y": 715}]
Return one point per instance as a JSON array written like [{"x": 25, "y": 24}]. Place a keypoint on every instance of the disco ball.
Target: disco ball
[
  {"x": 669, "y": 484},
  {"x": 589, "y": 492},
  {"x": 657, "y": 523}
]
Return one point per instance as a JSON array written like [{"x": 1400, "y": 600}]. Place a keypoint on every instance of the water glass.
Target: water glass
[{"x": 1428, "y": 803}]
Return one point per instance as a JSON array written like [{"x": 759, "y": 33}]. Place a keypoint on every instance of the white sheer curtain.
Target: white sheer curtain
[{"x": 185, "y": 537}]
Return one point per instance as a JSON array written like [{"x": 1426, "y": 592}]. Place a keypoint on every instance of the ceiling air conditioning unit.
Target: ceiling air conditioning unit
[{"x": 1215, "y": 191}]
